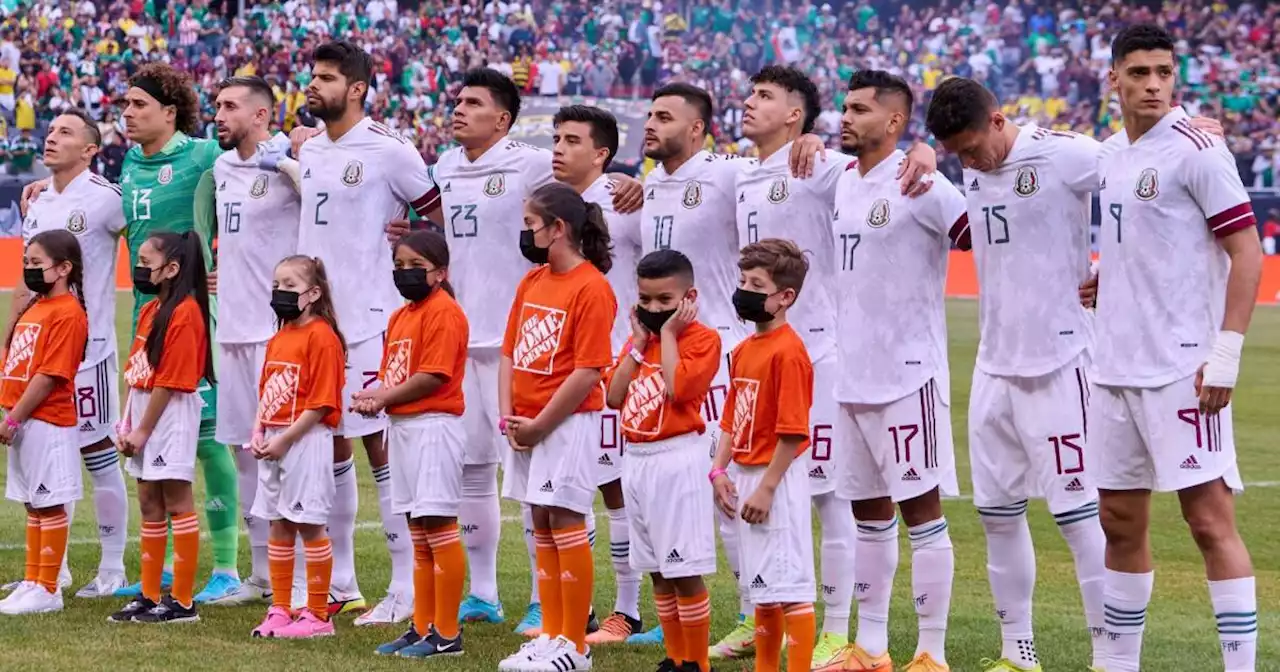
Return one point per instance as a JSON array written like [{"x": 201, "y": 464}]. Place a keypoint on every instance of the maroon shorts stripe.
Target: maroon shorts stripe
[{"x": 1082, "y": 384}]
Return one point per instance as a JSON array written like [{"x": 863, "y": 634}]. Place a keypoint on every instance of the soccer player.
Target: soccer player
[
  {"x": 257, "y": 210},
  {"x": 586, "y": 140},
  {"x": 359, "y": 173},
  {"x": 89, "y": 207},
  {"x": 1181, "y": 264},
  {"x": 894, "y": 417}
]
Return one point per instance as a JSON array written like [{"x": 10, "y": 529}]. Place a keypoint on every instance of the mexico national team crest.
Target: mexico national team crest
[
  {"x": 1148, "y": 185},
  {"x": 1027, "y": 182},
  {"x": 495, "y": 186},
  {"x": 778, "y": 191},
  {"x": 259, "y": 188},
  {"x": 879, "y": 214},
  {"x": 76, "y": 222},
  {"x": 166, "y": 174},
  {"x": 353, "y": 174},
  {"x": 692, "y": 194}
]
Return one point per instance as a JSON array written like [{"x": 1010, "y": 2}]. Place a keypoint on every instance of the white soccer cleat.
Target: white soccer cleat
[
  {"x": 105, "y": 584},
  {"x": 12, "y": 585},
  {"x": 34, "y": 601},
  {"x": 394, "y": 608},
  {"x": 522, "y": 660},
  {"x": 18, "y": 589},
  {"x": 252, "y": 589},
  {"x": 64, "y": 576},
  {"x": 560, "y": 657},
  {"x": 298, "y": 596}
]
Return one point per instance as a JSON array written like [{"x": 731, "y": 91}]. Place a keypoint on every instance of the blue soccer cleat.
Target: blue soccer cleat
[
  {"x": 220, "y": 587},
  {"x": 650, "y": 638},
  {"x": 476, "y": 610},
  {"x": 135, "y": 590},
  {"x": 531, "y": 624}
]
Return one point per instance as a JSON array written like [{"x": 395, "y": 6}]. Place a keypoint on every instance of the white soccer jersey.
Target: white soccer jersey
[
  {"x": 624, "y": 232},
  {"x": 1030, "y": 229},
  {"x": 693, "y": 211},
  {"x": 90, "y": 208},
  {"x": 1162, "y": 289},
  {"x": 257, "y": 227},
  {"x": 351, "y": 189},
  {"x": 773, "y": 204},
  {"x": 891, "y": 255},
  {"x": 483, "y": 215}
]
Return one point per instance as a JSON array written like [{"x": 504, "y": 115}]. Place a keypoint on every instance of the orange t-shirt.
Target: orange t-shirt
[
  {"x": 429, "y": 336},
  {"x": 558, "y": 323},
  {"x": 182, "y": 358},
  {"x": 648, "y": 414},
  {"x": 48, "y": 339},
  {"x": 304, "y": 370},
  {"x": 771, "y": 389}
]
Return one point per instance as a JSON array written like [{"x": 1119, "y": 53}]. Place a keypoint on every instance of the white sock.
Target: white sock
[
  {"x": 300, "y": 562},
  {"x": 1126, "y": 598},
  {"x": 1083, "y": 531},
  {"x": 480, "y": 519},
  {"x": 1235, "y": 605},
  {"x": 839, "y": 536},
  {"x": 933, "y": 567},
  {"x": 526, "y": 512},
  {"x": 396, "y": 529},
  {"x": 111, "y": 503},
  {"x": 875, "y": 564},
  {"x": 259, "y": 529},
  {"x": 729, "y": 537},
  {"x": 1011, "y": 568},
  {"x": 342, "y": 526},
  {"x": 589, "y": 521},
  {"x": 628, "y": 579}
]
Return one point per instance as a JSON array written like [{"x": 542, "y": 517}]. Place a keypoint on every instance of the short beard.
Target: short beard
[
  {"x": 665, "y": 150},
  {"x": 329, "y": 113},
  {"x": 860, "y": 145},
  {"x": 233, "y": 141}
]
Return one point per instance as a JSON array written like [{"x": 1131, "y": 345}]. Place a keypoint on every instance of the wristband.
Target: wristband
[
  {"x": 11, "y": 423},
  {"x": 502, "y": 426},
  {"x": 1223, "y": 366},
  {"x": 717, "y": 472},
  {"x": 635, "y": 354}
]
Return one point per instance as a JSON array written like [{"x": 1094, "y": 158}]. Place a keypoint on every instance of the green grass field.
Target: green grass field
[{"x": 1180, "y": 632}]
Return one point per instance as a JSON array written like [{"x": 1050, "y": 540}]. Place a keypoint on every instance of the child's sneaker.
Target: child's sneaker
[
  {"x": 141, "y": 605},
  {"x": 409, "y": 638},
  {"x": 433, "y": 645},
  {"x": 476, "y": 610},
  {"x": 562, "y": 656},
  {"x": 169, "y": 611},
  {"x": 531, "y": 625},
  {"x": 277, "y": 618},
  {"x": 520, "y": 661},
  {"x": 38, "y": 601},
  {"x": 739, "y": 643},
  {"x": 306, "y": 626}
]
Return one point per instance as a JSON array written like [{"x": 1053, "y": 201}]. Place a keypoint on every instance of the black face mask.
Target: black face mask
[
  {"x": 750, "y": 306},
  {"x": 285, "y": 304},
  {"x": 412, "y": 283},
  {"x": 142, "y": 281},
  {"x": 653, "y": 319},
  {"x": 530, "y": 249},
  {"x": 33, "y": 278}
]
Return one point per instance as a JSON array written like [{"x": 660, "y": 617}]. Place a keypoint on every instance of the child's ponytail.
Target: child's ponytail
[{"x": 586, "y": 223}]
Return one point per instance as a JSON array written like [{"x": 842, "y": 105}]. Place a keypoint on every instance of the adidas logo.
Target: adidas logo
[
  {"x": 215, "y": 504},
  {"x": 470, "y": 529},
  {"x": 223, "y": 186},
  {"x": 1075, "y": 486},
  {"x": 604, "y": 460},
  {"x": 836, "y": 217},
  {"x": 1190, "y": 463},
  {"x": 41, "y": 490},
  {"x": 650, "y": 196},
  {"x": 674, "y": 557},
  {"x": 911, "y": 475},
  {"x": 758, "y": 582},
  {"x": 87, "y": 426},
  {"x": 297, "y": 507},
  {"x": 158, "y": 462},
  {"x": 817, "y": 472},
  {"x": 568, "y": 577},
  {"x": 1104, "y": 184},
  {"x": 307, "y": 174},
  {"x": 448, "y": 188},
  {"x": 973, "y": 186},
  {"x": 547, "y": 487},
  {"x": 742, "y": 198}
]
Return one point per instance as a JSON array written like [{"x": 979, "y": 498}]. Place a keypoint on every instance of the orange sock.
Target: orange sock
[
  {"x": 801, "y": 629},
  {"x": 450, "y": 571},
  {"x": 32, "y": 570},
  {"x": 424, "y": 581},
  {"x": 319, "y": 573},
  {"x": 672, "y": 632},
  {"x": 769, "y": 630},
  {"x": 695, "y": 619},
  {"x": 548, "y": 561},
  {"x": 53, "y": 545},
  {"x": 186, "y": 556},
  {"x": 577, "y": 578},
  {"x": 155, "y": 535},
  {"x": 280, "y": 557}
]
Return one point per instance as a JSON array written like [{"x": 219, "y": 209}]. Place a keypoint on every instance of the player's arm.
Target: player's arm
[
  {"x": 306, "y": 420},
  {"x": 39, "y": 389},
  {"x": 30, "y": 192},
  {"x": 944, "y": 211},
  {"x": 688, "y": 368},
  {"x": 756, "y": 509},
  {"x": 622, "y": 375},
  {"x": 417, "y": 386},
  {"x": 413, "y": 183},
  {"x": 155, "y": 408}
]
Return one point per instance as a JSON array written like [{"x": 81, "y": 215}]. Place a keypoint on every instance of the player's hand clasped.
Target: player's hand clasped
[
  {"x": 368, "y": 403},
  {"x": 756, "y": 509},
  {"x": 524, "y": 433},
  {"x": 133, "y": 442},
  {"x": 7, "y": 431}
]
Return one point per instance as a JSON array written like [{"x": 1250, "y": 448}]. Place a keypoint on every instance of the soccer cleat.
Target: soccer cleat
[
  {"x": 12, "y": 585},
  {"x": 828, "y": 653},
  {"x": 925, "y": 663},
  {"x": 668, "y": 665},
  {"x": 615, "y": 630},
  {"x": 220, "y": 587},
  {"x": 854, "y": 658},
  {"x": 651, "y": 638},
  {"x": 34, "y": 601},
  {"x": 409, "y": 638},
  {"x": 521, "y": 660},
  {"x": 560, "y": 657},
  {"x": 64, "y": 576},
  {"x": 306, "y": 626},
  {"x": 1005, "y": 665},
  {"x": 169, "y": 611},
  {"x": 341, "y": 602},
  {"x": 394, "y": 608},
  {"x": 531, "y": 624},
  {"x": 251, "y": 589},
  {"x": 105, "y": 584},
  {"x": 277, "y": 618},
  {"x": 593, "y": 625},
  {"x": 739, "y": 643},
  {"x": 476, "y": 610},
  {"x": 18, "y": 591},
  {"x": 135, "y": 590},
  {"x": 141, "y": 605},
  {"x": 434, "y": 646}
]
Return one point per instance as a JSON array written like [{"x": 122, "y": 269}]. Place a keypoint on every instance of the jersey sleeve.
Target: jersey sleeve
[
  {"x": 1077, "y": 161},
  {"x": 793, "y": 387},
  {"x": 538, "y": 168},
  {"x": 206, "y": 152},
  {"x": 204, "y": 214},
  {"x": 942, "y": 209},
  {"x": 327, "y": 366},
  {"x": 411, "y": 182},
  {"x": 595, "y": 311},
  {"x": 63, "y": 346},
  {"x": 445, "y": 334},
  {"x": 697, "y": 367},
  {"x": 183, "y": 346},
  {"x": 1215, "y": 186},
  {"x": 828, "y": 172}
]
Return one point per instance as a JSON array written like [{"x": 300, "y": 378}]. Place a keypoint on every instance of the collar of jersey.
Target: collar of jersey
[
  {"x": 178, "y": 140},
  {"x": 888, "y": 166},
  {"x": 780, "y": 157},
  {"x": 1176, "y": 114}
]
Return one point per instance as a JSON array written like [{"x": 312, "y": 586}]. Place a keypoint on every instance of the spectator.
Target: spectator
[{"x": 1271, "y": 232}]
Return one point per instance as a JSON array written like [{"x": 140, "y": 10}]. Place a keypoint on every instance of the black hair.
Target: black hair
[
  {"x": 793, "y": 80},
  {"x": 604, "y": 126},
  {"x": 665, "y": 264},
  {"x": 1140, "y": 37},
  {"x": 176, "y": 89},
  {"x": 884, "y": 83},
  {"x": 353, "y": 63},
  {"x": 959, "y": 104},
  {"x": 313, "y": 271},
  {"x": 430, "y": 246},
  {"x": 256, "y": 85},
  {"x": 90, "y": 126},
  {"x": 187, "y": 251},
  {"x": 504, "y": 91},
  {"x": 61, "y": 245},
  {"x": 585, "y": 221},
  {"x": 693, "y": 95}
]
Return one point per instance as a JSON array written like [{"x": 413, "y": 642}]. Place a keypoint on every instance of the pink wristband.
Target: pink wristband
[
  {"x": 502, "y": 426},
  {"x": 716, "y": 472},
  {"x": 13, "y": 424}
]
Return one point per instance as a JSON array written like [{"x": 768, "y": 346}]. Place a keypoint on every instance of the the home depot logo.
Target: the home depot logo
[{"x": 539, "y": 338}]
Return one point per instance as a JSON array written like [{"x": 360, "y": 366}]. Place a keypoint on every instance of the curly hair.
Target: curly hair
[{"x": 178, "y": 88}]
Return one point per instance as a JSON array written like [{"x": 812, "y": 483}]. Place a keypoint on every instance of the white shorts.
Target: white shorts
[
  {"x": 300, "y": 487},
  {"x": 426, "y": 453},
  {"x": 364, "y": 359},
  {"x": 170, "y": 453},
  {"x": 97, "y": 401},
  {"x": 900, "y": 450},
  {"x": 1157, "y": 439},
  {"x": 776, "y": 556},
  {"x": 560, "y": 471},
  {"x": 824, "y": 462},
  {"x": 44, "y": 465},
  {"x": 485, "y": 444},
  {"x": 1027, "y": 439},
  {"x": 609, "y": 454},
  {"x": 670, "y": 508},
  {"x": 239, "y": 371}
]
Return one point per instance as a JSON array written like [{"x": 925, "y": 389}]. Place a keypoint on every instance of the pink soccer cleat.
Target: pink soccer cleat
[
  {"x": 306, "y": 626},
  {"x": 277, "y": 619}
]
